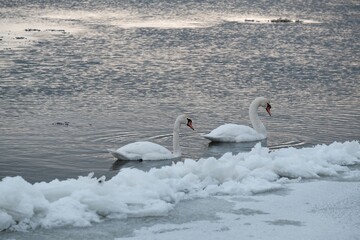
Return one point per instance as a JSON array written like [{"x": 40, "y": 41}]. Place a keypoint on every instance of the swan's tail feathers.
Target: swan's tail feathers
[{"x": 117, "y": 155}]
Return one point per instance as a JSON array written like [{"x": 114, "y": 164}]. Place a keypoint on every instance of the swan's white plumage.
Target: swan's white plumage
[
  {"x": 240, "y": 133},
  {"x": 142, "y": 151},
  {"x": 234, "y": 133},
  {"x": 152, "y": 151}
]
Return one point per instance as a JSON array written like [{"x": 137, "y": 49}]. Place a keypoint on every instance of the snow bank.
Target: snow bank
[{"x": 135, "y": 193}]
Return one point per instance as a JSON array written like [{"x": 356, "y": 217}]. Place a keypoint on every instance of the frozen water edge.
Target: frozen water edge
[
  {"x": 166, "y": 195},
  {"x": 304, "y": 210},
  {"x": 312, "y": 210}
]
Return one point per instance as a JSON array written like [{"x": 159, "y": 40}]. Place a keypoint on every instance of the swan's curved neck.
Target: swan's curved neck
[
  {"x": 254, "y": 118},
  {"x": 176, "y": 143}
]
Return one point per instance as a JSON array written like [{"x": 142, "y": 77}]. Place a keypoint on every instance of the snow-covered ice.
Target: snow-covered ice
[
  {"x": 312, "y": 210},
  {"x": 136, "y": 193}
]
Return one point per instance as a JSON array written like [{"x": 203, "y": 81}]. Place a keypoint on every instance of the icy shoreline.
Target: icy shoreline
[
  {"x": 311, "y": 210},
  {"x": 135, "y": 193}
]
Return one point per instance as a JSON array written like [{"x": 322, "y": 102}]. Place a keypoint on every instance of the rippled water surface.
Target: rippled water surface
[{"x": 119, "y": 72}]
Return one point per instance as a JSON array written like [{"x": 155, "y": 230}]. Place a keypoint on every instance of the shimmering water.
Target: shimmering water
[{"x": 121, "y": 71}]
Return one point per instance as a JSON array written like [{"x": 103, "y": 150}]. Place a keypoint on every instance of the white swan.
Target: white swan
[
  {"x": 241, "y": 133},
  {"x": 153, "y": 151}
]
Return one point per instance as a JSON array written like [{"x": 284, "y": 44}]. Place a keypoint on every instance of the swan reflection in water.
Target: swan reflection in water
[
  {"x": 217, "y": 149},
  {"x": 142, "y": 165}
]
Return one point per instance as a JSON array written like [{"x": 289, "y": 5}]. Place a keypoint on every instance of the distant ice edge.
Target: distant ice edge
[{"x": 135, "y": 193}]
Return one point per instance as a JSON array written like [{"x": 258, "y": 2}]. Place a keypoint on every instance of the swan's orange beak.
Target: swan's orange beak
[
  {"x": 268, "y": 107},
  {"x": 189, "y": 123}
]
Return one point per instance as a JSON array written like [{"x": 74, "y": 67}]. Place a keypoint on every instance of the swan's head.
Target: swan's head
[
  {"x": 184, "y": 119},
  {"x": 264, "y": 102}
]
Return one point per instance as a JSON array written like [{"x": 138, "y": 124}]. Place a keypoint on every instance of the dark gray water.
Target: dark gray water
[{"x": 119, "y": 72}]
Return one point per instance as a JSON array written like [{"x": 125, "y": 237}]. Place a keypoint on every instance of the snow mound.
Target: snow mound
[{"x": 135, "y": 193}]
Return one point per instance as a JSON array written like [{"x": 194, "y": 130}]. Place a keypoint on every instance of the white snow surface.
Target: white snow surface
[{"x": 136, "y": 193}]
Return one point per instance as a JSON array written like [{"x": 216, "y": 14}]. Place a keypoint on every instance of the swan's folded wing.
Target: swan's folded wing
[
  {"x": 142, "y": 151},
  {"x": 117, "y": 155},
  {"x": 218, "y": 139},
  {"x": 233, "y": 133}
]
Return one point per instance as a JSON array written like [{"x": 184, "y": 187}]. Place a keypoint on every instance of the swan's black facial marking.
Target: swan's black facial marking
[
  {"x": 189, "y": 123},
  {"x": 268, "y": 107}
]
